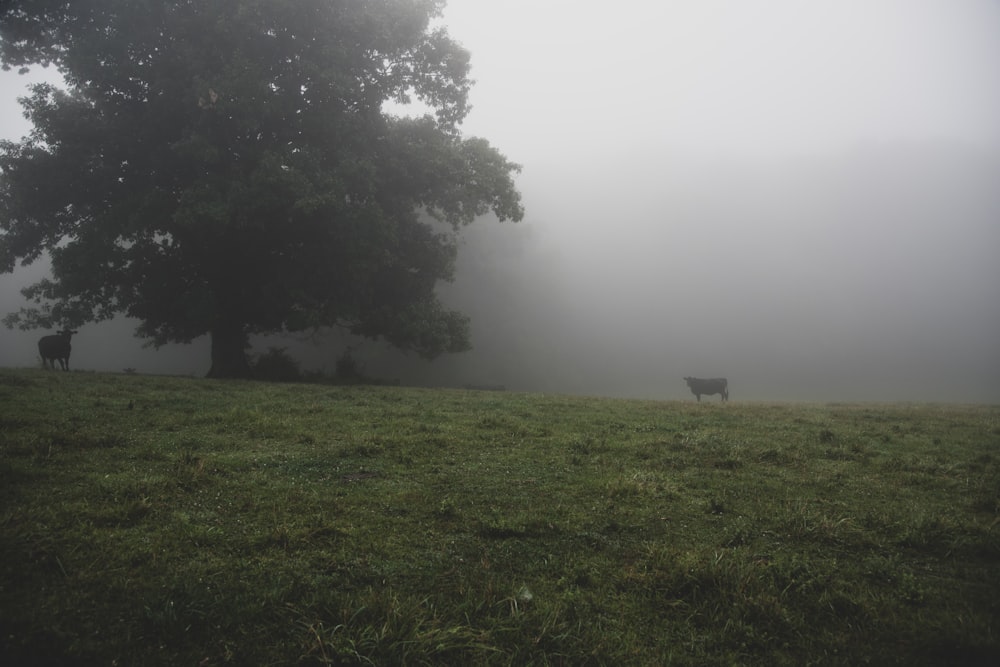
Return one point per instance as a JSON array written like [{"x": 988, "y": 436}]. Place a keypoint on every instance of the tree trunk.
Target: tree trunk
[{"x": 229, "y": 352}]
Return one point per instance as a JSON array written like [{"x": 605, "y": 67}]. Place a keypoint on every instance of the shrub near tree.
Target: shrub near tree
[
  {"x": 276, "y": 365},
  {"x": 229, "y": 168}
]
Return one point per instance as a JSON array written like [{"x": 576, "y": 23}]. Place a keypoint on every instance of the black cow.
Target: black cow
[
  {"x": 56, "y": 348},
  {"x": 708, "y": 387}
]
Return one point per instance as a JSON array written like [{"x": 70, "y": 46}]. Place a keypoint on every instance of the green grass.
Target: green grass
[{"x": 170, "y": 521}]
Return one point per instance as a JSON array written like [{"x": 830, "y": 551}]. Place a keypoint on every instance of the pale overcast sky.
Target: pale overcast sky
[
  {"x": 560, "y": 80},
  {"x": 729, "y": 76}
]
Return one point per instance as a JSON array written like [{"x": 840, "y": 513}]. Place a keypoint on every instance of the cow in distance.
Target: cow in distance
[
  {"x": 708, "y": 387},
  {"x": 56, "y": 348}
]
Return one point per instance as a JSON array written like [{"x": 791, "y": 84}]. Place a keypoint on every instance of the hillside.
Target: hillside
[{"x": 165, "y": 521}]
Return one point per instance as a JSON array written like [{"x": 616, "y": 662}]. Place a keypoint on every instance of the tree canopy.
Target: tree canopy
[{"x": 230, "y": 168}]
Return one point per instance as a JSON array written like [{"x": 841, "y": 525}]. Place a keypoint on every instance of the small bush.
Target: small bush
[
  {"x": 276, "y": 365},
  {"x": 348, "y": 370}
]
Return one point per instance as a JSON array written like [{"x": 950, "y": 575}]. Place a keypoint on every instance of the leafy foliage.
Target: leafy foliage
[{"x": 229, "y": 168}]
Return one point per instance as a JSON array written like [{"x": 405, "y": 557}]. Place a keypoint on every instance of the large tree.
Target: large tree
[{"x": 229, "y": 167}]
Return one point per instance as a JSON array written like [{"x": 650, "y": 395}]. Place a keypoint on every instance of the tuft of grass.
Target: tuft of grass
[{"x": 153, "y": 520}]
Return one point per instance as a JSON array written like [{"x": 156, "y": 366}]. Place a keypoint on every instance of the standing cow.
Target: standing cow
[
  {"x": 56, "y": 348},
  {"x": 708, "y": 387}
]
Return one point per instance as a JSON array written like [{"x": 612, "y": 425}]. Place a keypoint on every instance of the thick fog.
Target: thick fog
[{"x": 801, "y": 197}]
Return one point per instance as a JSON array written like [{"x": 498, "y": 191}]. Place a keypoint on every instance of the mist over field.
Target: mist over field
[
  {"x": 803, "y": 199},
  {"x": 868, "y": 277}
]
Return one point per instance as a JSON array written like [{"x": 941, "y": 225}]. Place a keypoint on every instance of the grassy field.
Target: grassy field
[{"x": 173, "y": 521}]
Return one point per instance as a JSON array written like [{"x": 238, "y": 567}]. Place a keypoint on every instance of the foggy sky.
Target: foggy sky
[{"x": 802, "y": 197}]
